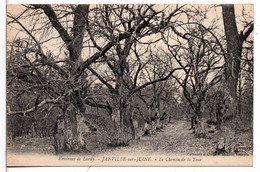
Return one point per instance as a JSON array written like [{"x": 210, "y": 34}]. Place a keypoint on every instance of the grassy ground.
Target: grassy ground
[{"x": 174, "y": 139}]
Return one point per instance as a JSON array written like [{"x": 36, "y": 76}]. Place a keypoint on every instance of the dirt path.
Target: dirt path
[{"x": 175, "y": 138}]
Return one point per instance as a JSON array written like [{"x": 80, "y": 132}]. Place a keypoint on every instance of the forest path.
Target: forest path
[{"x": 173, "y": 139}]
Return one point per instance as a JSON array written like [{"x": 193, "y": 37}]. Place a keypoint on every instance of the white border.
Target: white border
[
  {"x": 130, "y": 1},
  {"x": 115, "y": 169},
  {"x": 2, "y": 87}
]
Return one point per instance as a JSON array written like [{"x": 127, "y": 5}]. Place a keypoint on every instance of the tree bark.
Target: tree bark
[
  {"x": 119, "y": 137},
  {"x": 69, "y": 131},
  {"x": 228, "y": 115},
  {"x": 198, "y": 126},
  {"x": 134, "y": 125}
]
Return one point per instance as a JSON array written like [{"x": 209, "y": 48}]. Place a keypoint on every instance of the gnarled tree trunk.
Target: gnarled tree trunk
[
  {"x": 69, "y": 130},
  {"x": 228, "y": 116},
  {"x": 199, "y": 127},
  {"x": 134, "y": 125},
  {"x": 119, "y": 137}
]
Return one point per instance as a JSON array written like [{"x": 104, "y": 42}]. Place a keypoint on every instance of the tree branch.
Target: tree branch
[
  {"x": 120, "y": 37},
  {"x": 48, "y": 10},
  {"x": 244, "y": 36},
  {"x": 155, "y": 81},
  {"x": 40, "y": 52},
  {"x": 102, "y": 80},
  {"x": 99, "y": 105},
  {"x": 33, "y": 108}
]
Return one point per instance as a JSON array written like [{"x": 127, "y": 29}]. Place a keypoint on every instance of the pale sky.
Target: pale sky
[{"x": 53, "y": 46}]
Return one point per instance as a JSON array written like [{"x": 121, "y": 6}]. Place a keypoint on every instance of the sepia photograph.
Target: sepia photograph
[{"x": 129, "y": 84}]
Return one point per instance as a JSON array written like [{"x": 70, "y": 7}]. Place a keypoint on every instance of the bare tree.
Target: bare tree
[
  {"x": 196, "y": 49},
  {"x": 87, "y": 34},
  {"x": 127, "y": 59},
  {"x": 234, "y": 40},
  {"x": 124, "y": 57}
]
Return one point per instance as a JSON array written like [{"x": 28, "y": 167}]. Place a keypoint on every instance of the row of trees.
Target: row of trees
[{"x": 142, "y": 58}]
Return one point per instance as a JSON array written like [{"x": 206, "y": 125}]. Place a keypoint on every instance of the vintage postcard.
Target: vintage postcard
[{"x": 129, "y": 84}]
